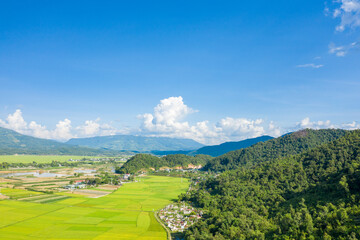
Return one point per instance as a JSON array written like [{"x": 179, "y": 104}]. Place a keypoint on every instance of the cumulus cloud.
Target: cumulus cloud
[
  {"x": 349, "y": 13},
  {"x": 168, "y": 120},
  {"x": 351, "y": 126},
  {"x": 94, "y": 128},
  {"x": 63, "y": 130},
  {"x": 310, "y": 65},
  {"x": 307, "y": 123}
]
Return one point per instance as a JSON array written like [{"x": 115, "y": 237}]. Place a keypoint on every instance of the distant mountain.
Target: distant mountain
[
  {"x": 137, "y": 143},
  {"x": 12, "y": 142},
  {"x": 223, "y": 148}
]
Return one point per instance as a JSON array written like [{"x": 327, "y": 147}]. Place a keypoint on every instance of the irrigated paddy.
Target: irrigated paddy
[{"x": 125, "y": 214}]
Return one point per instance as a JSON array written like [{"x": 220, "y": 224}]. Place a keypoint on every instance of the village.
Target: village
[{"x": 179, "y": 216}]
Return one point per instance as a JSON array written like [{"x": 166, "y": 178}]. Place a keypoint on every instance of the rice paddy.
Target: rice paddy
[
  {"x": 124, "y": 214},
  {"x": 39, "y": 158}
]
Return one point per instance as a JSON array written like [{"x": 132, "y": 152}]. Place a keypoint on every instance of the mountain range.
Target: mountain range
[
  {"x": 12, "y": 142},
  {"x": 136, "y": 143}
]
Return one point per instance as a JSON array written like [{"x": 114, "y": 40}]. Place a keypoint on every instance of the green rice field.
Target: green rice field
[
  {"x": 125, "y": 214},
  {"x": 39, "y": 158}
]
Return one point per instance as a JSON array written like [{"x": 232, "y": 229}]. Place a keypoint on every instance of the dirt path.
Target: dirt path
[{"x": 163, "y": 225}]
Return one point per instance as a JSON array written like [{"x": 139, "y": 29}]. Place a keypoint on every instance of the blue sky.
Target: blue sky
[{"x": 212, "y": 71}]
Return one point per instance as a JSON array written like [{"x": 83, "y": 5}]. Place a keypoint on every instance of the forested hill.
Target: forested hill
[
  {"x": 147, "y": 161},
  {"x": 137, "y": 143},
  {"x": 313, "y": 195},
  {"x": 12, "y": 142},
  {"x": 287, "y": 145},
  {"x": 223, "y": 148}
]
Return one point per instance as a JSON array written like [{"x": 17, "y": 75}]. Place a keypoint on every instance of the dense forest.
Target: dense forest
[
  {"x": 147, "y": 161},
  {"x": 312, "y": 195},
  {"x": 287, "y": 145}
]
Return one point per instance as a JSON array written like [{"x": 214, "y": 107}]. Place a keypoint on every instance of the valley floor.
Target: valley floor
[{"x": 128, "y": 213}]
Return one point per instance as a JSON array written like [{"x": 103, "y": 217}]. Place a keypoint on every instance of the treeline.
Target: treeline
[
  {"x": 5, "y": 165},
  {"x": 313, "y": 195},
  {"x": 70, "y": 150},
  {"x": 280, "y": 147},
  {"x": 147, "y": 161}
]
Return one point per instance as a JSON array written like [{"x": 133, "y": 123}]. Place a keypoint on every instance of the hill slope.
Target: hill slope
[
  {"x": 136, "y": 143},
  {"x": 287, "y": 145},
  {"x": 313, "y": 195},
  {"x": 147, "y": 161},
  {"x": 12, "y": 142},
  {"x": 223, "y": 148}
]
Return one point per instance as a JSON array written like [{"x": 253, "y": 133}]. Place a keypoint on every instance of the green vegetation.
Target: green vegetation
[
  {"x": 287, "y": 145},
  {"x": 147, "y": 161},
  {"x": 313, "y": 195},
  {"x": 125, "y": 214},
  {"x": 12, "y": 142},
  {"x": 136, "y": 143},
  {"x": 223, "y": 148},
  {"x": 41, "y": 158}
]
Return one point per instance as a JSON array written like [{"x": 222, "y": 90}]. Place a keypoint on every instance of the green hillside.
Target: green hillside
[
  {"x": 223, "y": 148},
  {"x": 12, "y": 142},
  {"x": 147, "y": 161},
  {"x": 287, "y": 145},
  {"x": 313, "y": 195},
  {"x": 136, "y": 143}
]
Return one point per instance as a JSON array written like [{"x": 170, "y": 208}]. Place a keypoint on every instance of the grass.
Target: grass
[
  {"x": 124, "y": 214},
  {"x": 39, "y": 158}
]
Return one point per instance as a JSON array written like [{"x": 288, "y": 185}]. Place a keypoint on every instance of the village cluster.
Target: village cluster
[{"x": 179, "y": 216}]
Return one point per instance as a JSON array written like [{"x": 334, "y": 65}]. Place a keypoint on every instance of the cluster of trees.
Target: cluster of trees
[
  {"x": 103, "y": 178},
  {"x": 147, "y": 161},
  {"x": 287, "y": 145},
  {"x": 312, "y": 195},
  {"x": 5, "y": 165}
]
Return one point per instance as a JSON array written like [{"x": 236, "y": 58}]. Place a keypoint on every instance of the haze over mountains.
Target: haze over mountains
[
  {"x": 223, "y": 148},
  {"x": 136, "y": 143},
  {"x": 12, "y": 142}
]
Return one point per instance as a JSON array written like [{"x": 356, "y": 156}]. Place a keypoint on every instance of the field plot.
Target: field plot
[
  {"x": 125, "y": 214},
  {"x": 39, "y": 158}
]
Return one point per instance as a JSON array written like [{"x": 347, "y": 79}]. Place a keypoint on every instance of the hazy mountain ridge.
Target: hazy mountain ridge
[
  {"x": 217, "y": 150},
  {"x": 137, "y": 143},
  {"x": 12, "y": 142}
]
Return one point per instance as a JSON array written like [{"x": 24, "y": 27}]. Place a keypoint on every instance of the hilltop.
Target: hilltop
[{"x": 289, "y": 144}]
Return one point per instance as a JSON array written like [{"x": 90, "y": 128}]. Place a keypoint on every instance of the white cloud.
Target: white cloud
[
  {"x": 349, "y": 13},
  {"x": 341, "y": 51},
  {"x": 351, "y": 126},
  {"x": 63, "y": 130},
  {"x": 307, "y": 123},
  {"x": 94, "y": 128},
  {"x": 310, "y": 65},
  {"x": 168, "y": 120}
]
